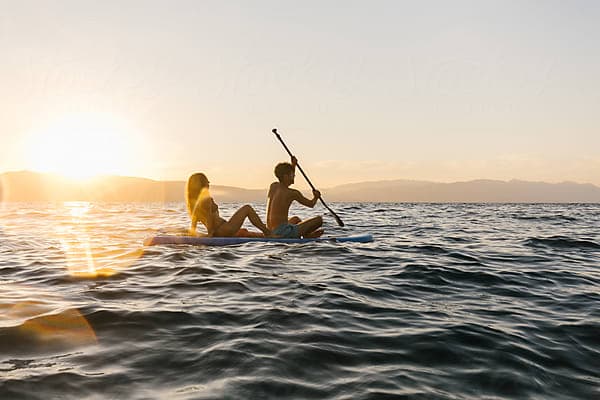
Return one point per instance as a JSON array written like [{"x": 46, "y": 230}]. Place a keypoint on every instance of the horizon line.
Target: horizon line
[{"x": 107, "y": 176}]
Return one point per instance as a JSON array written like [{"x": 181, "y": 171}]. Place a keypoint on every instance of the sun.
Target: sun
[{"x": 81, "y": 146}]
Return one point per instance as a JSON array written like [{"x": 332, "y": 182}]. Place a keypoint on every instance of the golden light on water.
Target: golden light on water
[
  {"x": 36, "y": 320},
  {"x": 77, "y": 209},
  {"x": 82, "y": 259},
  {"x": 76, "y": 243}
]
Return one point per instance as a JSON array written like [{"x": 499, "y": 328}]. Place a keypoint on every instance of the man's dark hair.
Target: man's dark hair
[{"x": 283, "y": 169}]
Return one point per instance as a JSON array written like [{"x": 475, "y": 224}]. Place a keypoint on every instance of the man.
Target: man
[{"x": 280, "y": 199}]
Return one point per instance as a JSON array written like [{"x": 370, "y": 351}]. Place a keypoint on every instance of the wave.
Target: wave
[
  {"x": 545, "y": 217},
  {"x": 562, "y": 242},
  {"x": 449, "y": 301}
]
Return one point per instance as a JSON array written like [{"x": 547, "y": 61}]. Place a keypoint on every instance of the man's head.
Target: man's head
[{"x": 285, "y": 173}]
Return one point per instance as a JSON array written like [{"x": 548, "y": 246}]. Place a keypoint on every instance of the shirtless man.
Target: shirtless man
[{"x": 279, "y": 201}]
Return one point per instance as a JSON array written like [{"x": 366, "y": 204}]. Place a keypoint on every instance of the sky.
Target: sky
[{"x": 360, "y": 91}]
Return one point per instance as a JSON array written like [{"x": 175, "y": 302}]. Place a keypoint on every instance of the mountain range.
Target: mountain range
[{"x": 26, "y": 186}]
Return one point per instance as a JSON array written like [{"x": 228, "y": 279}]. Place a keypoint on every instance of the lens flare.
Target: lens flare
[{"x": 45, "y": 324}]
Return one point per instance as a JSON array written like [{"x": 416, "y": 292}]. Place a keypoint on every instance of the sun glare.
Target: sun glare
[
  {"x": 82, "y": 259},
  {"x": 82, "y": 146}
]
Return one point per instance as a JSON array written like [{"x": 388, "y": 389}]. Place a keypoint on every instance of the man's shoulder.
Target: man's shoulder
[
  {"x": 277, "y": 187},
  {"x": 272, "y": 188}
]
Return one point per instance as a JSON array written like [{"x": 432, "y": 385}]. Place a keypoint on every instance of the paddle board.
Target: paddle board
[{"x": 224, "y": 241}]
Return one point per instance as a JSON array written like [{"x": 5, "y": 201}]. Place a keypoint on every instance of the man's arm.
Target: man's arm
[{"x": 304, "y": 201}]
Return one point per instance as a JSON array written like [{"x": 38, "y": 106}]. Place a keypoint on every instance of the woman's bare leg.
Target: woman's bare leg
[
  {"x": 236, "y": 221},
  {"x": 243, "y": 232}
]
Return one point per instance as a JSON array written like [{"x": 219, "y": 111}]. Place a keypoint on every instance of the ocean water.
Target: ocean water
[{"x": 451, "y": 301}]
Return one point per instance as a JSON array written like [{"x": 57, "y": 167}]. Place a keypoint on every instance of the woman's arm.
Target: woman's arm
[
  {"x": 194, "y": 225},
  {"x": 207, "y": 208}
]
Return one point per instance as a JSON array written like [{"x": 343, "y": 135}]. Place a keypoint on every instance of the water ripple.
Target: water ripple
[{"x": 451, "y": 301}]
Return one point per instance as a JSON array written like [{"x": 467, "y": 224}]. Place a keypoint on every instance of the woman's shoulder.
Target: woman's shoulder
[{"x": 205, "y": 201}]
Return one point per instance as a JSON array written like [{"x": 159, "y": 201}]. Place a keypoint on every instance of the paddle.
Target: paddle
[{"x": 338, "y": 219}]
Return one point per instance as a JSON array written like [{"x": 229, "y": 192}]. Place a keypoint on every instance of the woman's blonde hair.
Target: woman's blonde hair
[{"x": 196, "y": 182}]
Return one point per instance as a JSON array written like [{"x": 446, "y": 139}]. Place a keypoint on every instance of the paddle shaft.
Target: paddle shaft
[{"x": 338, "y": 219}]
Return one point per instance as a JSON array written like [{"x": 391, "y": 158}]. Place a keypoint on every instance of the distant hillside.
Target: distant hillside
[
  {"x": 31, "y": 186},
  {"x": 477, "y": 191}
]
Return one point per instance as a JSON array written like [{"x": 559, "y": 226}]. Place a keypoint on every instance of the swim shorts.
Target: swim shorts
[{"x": 287, "y": 231}]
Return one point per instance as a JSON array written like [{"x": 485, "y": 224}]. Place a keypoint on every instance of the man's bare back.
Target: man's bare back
[{"x": 279, "y": 201}]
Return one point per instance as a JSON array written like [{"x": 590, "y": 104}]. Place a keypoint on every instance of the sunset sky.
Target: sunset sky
[{"x": 360, "y": 90}]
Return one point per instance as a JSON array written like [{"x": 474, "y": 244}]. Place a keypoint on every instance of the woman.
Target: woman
[{"x": 203, "y": 208}]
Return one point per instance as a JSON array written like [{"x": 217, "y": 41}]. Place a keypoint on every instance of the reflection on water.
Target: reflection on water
[
  {"x": 77, "y": 209},
  {"x": 75, "y": 236},
  {"x": 75, "y": 241}
]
